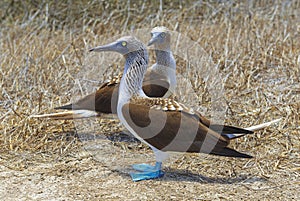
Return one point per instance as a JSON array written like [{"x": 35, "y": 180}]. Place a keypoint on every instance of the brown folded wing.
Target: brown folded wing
[
  {"x": 175, "y": 130},
  {"x": 104, "y": 100}
]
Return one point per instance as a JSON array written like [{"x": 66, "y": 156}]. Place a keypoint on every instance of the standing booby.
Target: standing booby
[
  {"x": 163, "y": 124},
  {"x": 159, "y": 81}
]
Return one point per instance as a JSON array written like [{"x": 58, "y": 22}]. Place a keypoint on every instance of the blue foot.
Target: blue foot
[
  {"x": 139, "y": 176},
  {"x": 146, "y": 172}
]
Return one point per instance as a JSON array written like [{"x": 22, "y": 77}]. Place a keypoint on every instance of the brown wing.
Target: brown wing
[
  {"x": 155, "y": 84},
  {"x": 172, "y": 130},
  {"x": 104, "y": 100},
  {"x": 171, "y": 126}
]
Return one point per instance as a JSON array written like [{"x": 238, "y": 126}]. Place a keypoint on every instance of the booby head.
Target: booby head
[
  {"x": 123, "y": 45},
  {"x": 160, "y": 38}
]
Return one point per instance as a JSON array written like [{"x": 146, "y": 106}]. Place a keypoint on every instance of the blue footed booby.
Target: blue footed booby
[
  {"x": 159, "y": 81},
  {"x": 163, "y": 124}
]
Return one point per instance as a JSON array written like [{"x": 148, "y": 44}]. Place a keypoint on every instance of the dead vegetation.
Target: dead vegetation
[{"x": 255, "y": 45}]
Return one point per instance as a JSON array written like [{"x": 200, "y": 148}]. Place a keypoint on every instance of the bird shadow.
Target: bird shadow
[{"x": 186, "y": 175}]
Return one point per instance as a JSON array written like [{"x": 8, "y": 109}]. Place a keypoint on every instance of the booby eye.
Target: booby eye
[
  {"x": 123, "y": 43},
  {"x": 163, "y": 34}
]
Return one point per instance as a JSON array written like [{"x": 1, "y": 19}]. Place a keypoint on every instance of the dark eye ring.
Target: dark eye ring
[
  {"x": 123, "y": 43},
  {"x": 163, "y": 35}
]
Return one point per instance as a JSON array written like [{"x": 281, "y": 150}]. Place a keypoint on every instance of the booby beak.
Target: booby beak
[
  {"x": 102, "y": 48},
  {"x": 154, "y": 39}
]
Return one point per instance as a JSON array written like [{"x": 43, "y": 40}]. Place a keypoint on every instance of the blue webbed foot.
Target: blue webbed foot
[
  {"x": 146, "y": 171},
  {"x": 139, "y": 176}
]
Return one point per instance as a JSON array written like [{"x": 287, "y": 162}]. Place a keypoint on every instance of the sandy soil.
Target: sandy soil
[{"x": 81, "y": 177}]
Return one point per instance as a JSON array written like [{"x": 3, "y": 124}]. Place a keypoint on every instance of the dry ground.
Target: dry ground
[{"x": 43, "y": 46}]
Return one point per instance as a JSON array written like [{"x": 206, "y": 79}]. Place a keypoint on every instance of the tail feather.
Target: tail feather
[
  {"x": 263, "y": 125},
  {"x": 229, "y": 129},
  {"x": 251, "y": 129},
  {"x": 74, "y": 114},
  {"x": 228, "y": 152}
]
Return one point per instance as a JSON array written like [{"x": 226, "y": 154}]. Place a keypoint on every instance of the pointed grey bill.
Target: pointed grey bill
[{"x": 102, "y": 48}]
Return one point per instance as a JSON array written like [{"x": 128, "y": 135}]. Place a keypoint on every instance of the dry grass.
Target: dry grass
[{"x": 255, "y": 44}]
